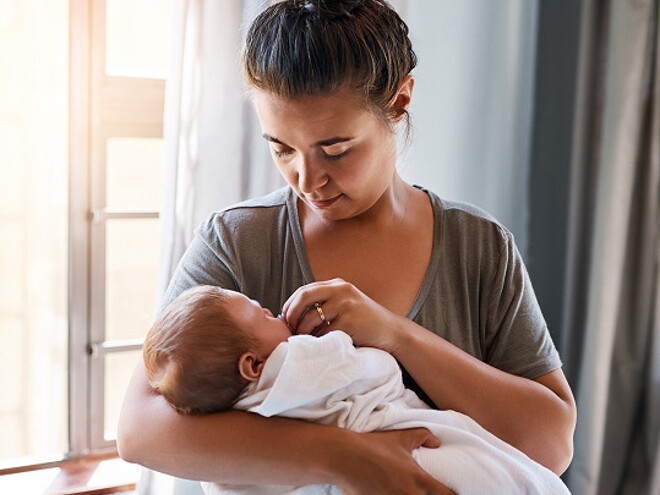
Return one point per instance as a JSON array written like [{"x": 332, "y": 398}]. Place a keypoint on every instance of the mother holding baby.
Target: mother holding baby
[{"x": 439, "y": 285}]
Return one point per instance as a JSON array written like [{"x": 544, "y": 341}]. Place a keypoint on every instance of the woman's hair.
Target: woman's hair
[
  {"x": 192, "y": 350},
  {"x": 314, "y": 47}
]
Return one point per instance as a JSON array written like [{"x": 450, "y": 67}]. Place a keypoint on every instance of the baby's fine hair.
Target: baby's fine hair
[
  {"x": 316, "y": 47},
  {"x": 192, "y": 350}
]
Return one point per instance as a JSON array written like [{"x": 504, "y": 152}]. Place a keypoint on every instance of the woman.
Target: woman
[{"x": 439, "y": 285}]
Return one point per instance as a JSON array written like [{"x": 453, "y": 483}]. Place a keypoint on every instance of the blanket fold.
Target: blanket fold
[{"x": 327, "y": 380}]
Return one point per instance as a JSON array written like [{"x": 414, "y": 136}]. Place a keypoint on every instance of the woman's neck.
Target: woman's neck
[{"x": 390, "y": 209}]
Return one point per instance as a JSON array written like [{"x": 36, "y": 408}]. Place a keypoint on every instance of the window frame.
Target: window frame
[
  {"x": 79, "y": 226},
  {"x": 101, "y": 106}
]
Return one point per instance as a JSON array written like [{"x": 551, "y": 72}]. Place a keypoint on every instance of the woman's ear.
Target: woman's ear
[
  {"x": 402, "y": 98},
  {"x": 250, "y": 366}
]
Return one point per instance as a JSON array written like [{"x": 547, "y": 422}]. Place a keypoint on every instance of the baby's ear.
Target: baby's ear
[{"x": 250, "y": 366}]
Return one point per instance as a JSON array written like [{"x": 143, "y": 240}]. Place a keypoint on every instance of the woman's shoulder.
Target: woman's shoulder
[
  {"x": 266, "y": 212},
  {"x": 461, "y": 219},
  {"x": 275, "y": 200}
]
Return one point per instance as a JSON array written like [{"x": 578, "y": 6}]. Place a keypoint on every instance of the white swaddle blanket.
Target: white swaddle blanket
[{"x": 327, "y": 380}]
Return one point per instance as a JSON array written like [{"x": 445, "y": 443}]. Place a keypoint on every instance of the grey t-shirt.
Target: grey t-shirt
[{"x": 476, "y": 292}]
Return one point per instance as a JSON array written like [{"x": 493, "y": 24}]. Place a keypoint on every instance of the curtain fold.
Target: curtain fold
[
  {"x": 611, "y": 327},
  {"x": 214, "y": 153}
]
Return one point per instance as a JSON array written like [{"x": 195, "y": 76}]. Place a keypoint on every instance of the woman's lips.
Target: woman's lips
[{"x": 324, "y": 203}]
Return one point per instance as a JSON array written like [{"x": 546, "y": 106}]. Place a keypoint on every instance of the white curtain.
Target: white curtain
[
  {"x": 611, "y": 334},
  {"x": 215, "y": 155}
]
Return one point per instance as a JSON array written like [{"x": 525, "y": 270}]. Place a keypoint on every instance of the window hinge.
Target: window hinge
[
  {"x": 96, "y": 349},
  {"x": 98, "y": 215}
]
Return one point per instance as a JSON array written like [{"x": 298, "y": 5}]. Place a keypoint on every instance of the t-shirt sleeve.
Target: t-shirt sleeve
[
  {"x": 517, "y": 336},
  {"x": 208, "y": 260}
]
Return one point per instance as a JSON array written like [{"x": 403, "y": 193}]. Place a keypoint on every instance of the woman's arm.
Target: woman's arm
[
  {"x": 240, "y": 447},
  {"x": 535, "y": 416}
]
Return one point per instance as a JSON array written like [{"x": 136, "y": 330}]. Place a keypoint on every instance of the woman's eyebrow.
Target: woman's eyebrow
[
  {"x": 272, "y": 139},
  {"x": 324, "y": 142},
  {"x": 333, "y": 140}
]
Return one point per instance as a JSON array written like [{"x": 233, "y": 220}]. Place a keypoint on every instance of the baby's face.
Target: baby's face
[{"x": 258, "y": 322}]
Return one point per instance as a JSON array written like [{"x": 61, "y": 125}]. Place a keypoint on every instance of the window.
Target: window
[
  {"x": 81, "y": 175},
  {"x": 33, "y": 228}
]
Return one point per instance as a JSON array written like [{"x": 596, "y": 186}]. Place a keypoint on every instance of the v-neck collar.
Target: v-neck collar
[{"x": 427, "y": 282}]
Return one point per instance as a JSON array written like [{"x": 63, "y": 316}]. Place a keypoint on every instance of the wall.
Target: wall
[{"x": 472, "y": 105}]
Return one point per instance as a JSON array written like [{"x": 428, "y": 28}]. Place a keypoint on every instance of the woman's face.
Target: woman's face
[{"x": 334, "y": 152}]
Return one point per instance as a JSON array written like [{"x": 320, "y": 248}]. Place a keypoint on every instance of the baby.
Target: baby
[
  {"x": 213, "y": 349},
  {"x": 207, "y": 345}
]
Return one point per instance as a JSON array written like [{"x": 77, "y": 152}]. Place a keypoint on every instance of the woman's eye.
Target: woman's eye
[
  {"x": 335, "y": 154},
  {"x": 283, "y": 152}
]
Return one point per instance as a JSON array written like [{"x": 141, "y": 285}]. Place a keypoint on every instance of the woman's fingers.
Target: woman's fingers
[
  {"x": 421, "y": 437},
  {"x": 418, "y": 437},
  {"x": 300, "y": 311},
  {"x": 317, "y": 320},
  {"x": 389, "y": 468}
]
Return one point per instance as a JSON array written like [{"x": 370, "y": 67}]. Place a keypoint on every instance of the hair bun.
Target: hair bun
[
  {"x": 329, "y": 8},
  {"x": 317, "y": 47}
]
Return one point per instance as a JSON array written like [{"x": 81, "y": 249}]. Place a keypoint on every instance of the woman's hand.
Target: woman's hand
[
  {"x": 386, "y": 466},
  {"x": 343, "y": 307}
]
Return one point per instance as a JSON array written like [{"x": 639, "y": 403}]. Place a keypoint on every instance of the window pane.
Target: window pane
[
  {"x": 118, "y": 369},
  {"x": 138, "y": 38},
  {"x": 134, "y": 173},
  {"x": 132, "y": 257},
  {"x": 33, "y": 228}
]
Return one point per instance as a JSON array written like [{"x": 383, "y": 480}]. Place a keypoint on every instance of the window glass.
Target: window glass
[
  {"x": 130, "y": 51},
  {"x": 33, "y": 228},
  {"x": 134, "y": 173},
  {"x": 132, "y": 257},
  {"x": 118, "y": 370}
]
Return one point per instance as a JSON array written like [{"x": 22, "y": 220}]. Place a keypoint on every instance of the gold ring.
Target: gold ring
[{"x": 319, "y": 310}]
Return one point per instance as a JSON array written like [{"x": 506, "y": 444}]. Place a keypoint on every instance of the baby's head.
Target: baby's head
[{"x": 207, "y": 345}]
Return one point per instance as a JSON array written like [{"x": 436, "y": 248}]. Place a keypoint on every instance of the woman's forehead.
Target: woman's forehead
[
  {"x": 318, "y": 117},
  {"x": 337, "y": 100}
]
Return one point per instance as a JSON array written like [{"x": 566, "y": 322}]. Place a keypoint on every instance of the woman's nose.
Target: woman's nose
[{"x": 311, "y": 176}]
